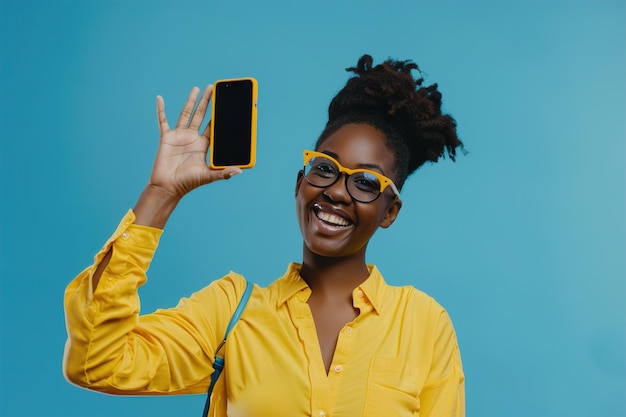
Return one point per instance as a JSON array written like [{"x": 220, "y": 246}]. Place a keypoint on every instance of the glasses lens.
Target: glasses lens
[
  {"x": 363, "y": 186},
  {"x": 321, "y": 172}
]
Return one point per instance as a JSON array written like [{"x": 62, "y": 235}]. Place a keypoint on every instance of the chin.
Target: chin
[{"x": 328, "y": 250}]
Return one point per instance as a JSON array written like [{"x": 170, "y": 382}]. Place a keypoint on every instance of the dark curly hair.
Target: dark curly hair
[{"x": 387, "y": 97}]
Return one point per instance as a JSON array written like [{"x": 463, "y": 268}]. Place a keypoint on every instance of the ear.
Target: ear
[
  {"x": 299, "y": 180},
  {"x": 392, "y": 213}
]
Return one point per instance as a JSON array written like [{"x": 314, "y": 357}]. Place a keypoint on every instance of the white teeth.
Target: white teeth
[{"x": 332, "y": 219}]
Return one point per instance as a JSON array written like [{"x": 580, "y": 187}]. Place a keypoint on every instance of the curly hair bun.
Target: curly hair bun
[{"x": 387, "y": 97}]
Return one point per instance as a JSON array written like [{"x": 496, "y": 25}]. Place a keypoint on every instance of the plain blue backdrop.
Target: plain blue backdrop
[{"x": 523, "y": 240}]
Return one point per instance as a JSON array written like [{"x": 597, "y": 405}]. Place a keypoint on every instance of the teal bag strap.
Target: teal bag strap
[{"x": 218, "y": 363}]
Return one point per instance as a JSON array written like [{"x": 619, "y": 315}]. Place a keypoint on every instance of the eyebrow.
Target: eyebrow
[{"x": 368, "y": 166}]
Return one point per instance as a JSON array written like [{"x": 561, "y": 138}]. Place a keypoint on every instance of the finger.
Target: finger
[
  {"x": 230, "y": 172},
  {"x": 207, "y": 131},
  {"x": 161, "y": 118},
  {"x": 224, "y": 174},
  {"x": 200, "y": 112},
  {"x": 211, "y": 175},
  {"x": 185, "y": 115}
]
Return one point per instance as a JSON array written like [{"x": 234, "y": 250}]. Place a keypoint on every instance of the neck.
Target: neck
[{"x": 336, "y": 276}]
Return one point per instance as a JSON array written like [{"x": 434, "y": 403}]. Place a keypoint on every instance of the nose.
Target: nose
[{"x": 338, "y": 192}]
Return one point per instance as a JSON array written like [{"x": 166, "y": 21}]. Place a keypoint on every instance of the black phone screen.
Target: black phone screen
[{"x": 232, "y": 123}]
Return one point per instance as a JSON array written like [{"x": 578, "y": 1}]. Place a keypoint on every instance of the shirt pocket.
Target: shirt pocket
[{"x": 392, "y": 389}]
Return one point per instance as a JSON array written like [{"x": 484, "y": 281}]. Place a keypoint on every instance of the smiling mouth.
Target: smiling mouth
[{"x": 330, "y": 218}]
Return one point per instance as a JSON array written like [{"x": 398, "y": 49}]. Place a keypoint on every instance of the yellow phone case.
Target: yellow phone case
[{"x": 253, "y": 125}]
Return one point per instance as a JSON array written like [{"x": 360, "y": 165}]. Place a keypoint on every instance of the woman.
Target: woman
[{"x": 329, "y": 338}]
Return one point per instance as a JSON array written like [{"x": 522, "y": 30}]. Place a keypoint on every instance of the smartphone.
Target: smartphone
[{"x": 233, "y": 123}]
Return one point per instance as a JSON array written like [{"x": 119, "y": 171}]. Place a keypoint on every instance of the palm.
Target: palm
[{"x": 180, "y": 164}]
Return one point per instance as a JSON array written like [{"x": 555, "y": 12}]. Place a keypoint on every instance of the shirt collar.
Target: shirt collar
[
  {"x": 373, "y": 287},
  {"x": 291, "y": 283}
]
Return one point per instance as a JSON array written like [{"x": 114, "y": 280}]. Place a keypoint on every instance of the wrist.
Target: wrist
[{"x": 155, "y": 206}]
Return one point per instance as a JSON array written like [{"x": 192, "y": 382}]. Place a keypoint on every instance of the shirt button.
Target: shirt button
[
  {"x": 125, "y": 235},
  {"x": 338, "y": 368},
  {"x": 321, "y": 413},
  {"x": 359, "y": 293},
  {"x": 349, "y": 330}
]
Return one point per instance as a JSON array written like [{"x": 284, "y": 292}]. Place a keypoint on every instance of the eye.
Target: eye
[
  {"x": 366, "y": 182},
  {"x": 323, "y": 168}
]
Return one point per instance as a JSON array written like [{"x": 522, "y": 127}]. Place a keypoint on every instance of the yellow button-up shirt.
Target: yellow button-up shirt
[{"x": 399, "y": 357}]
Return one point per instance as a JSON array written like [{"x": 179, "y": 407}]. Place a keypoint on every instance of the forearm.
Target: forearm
[
  {"x": 98, "y": 330},
  {"x": 98, "y": 321},
  {"x": 153, "y": 209}
]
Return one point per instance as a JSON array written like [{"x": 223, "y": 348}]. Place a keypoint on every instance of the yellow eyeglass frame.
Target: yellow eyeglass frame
[{"x": 384, "y": 181}]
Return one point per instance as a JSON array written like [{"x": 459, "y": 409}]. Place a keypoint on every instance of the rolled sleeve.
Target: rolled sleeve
[{"x": 102, "y": 318}]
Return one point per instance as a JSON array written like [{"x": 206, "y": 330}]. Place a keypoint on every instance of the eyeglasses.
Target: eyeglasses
[{"x": 363, "y": 185}]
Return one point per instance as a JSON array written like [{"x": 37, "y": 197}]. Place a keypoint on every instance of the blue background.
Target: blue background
[{"x": 523, "y": 240}]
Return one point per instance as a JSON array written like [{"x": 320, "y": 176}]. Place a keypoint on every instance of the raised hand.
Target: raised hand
[{"x": 180, "y": 164}]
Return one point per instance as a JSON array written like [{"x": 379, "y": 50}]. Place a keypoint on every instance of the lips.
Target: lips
[{"x": 332, "y": 216}]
